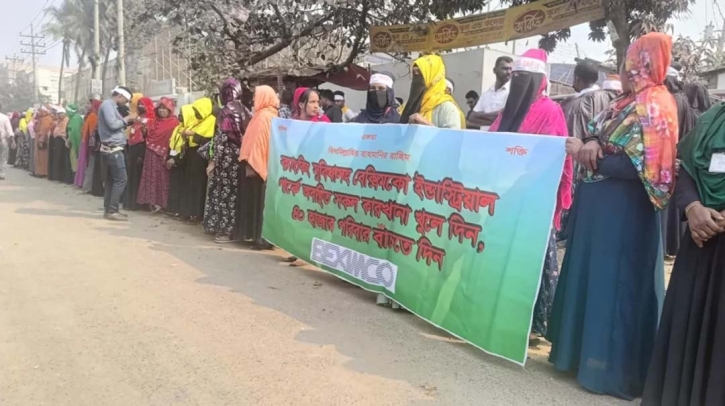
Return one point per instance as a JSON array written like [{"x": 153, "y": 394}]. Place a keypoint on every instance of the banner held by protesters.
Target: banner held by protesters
[{"x": 451, "y": 224}]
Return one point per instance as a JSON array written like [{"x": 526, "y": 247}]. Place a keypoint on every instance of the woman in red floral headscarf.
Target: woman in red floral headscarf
[
  {"x": 137, "y": 133},
  {"x": 154, "y": 186},
  {"x": 610, "y": 291}
]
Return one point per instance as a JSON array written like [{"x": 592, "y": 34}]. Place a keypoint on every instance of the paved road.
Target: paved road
[{"x": 153, "y": 313}]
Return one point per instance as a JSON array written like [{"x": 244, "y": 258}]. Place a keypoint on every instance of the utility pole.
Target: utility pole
[
  {"x": 14, "y": 61},
  {"x": 121, "y": 45},
  {"x": 96, "y": 81},
  {"x": 33, "y": 44}
]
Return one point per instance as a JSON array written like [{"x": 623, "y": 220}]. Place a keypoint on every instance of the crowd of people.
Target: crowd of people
[{"x": 618, "y": 210}]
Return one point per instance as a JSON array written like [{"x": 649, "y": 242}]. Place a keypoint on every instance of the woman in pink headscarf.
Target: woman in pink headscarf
[
  {"x": 528, "y": 110},
  {"x": 306, "y": 106}
]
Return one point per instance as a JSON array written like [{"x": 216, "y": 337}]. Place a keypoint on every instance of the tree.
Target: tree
[
  {"x": 231, "y": 37},
  {"x": 18, "y": 94}
]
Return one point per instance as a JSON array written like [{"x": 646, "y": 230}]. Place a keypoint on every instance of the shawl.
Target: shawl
[
  {"x": 61, "y": 128},
  {"x": 204, "y": 121},
  {"x": 159, "y": 132},
  {"x": 545, "y": 117},
  {"x": 433, "y": 71},
  {"x": 233, "y": 116},
  {"x": 255, "y": 147},
  {"x": 643, "y": 123},
  {"x": 696, "y": 151},
  {"x": 26, "y": 120},
  {"x": 75, "y": 128},
  {"x": 45, "y": 125},
  {"x": 136, "y": 133},
  {"x": 296, "y": 108}
]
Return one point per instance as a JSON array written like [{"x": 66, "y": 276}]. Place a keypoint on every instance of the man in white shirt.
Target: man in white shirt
[
  {"x": 493, "y": 100},
  {"x": 7, "y": 141}
]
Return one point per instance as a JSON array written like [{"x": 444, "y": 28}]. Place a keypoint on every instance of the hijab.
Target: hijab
[
  {"x": 148, "y": 118},
  {"x": 428, "y": 90},
  {"x": 527, "y": 85},
  {"x": 255, "y": 147},
  {"x": 698, "y": 97},
  {"x": 159, "y": 132},
  {"x": 696, "y": 151},
  {"x": 380, "y": 105},
  {"x": 296, "y": 113},
  {"x": 233, "y": 116},
  {"x": 644, "y": 123}
]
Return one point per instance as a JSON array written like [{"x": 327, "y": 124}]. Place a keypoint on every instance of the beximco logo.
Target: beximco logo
[
  {"x": 529, "y": 21},
  {"x": 446, "y": 33}
]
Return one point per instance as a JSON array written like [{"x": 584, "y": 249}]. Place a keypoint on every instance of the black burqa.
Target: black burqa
[
  {"x": 698, "y": 97},
  {"x": 415, "y": 99},
  {"x": 672, "y": 225},
  {"x": 524, "y": 90}
]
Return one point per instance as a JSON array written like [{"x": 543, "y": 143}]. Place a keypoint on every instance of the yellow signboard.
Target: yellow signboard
[{"x": 523, "y": 21}]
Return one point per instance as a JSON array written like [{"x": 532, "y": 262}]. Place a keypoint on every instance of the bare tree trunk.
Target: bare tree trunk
[
  {"x": 81, "y": 66},
  {"x": 617, "y": 12}
]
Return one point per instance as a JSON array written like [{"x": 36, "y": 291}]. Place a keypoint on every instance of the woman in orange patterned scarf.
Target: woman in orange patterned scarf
[{"x": 611, "y": 286}]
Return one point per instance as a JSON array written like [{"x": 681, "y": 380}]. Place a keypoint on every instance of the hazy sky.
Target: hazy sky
[{"x": 32, "y": 10}]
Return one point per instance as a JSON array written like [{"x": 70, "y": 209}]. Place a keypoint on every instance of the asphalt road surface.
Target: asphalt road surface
[{"x": 154, "y": 313}]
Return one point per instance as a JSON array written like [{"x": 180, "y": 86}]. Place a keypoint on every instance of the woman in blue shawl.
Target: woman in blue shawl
[{"x": 380, "y": 107}]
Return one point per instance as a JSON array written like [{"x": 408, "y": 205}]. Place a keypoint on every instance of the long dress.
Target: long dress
[
  {"x": 688, "y": 364},
  {"x": 58, "y": 153},
  {"x": 154, "y": 187},
  {"x": 220, "y": 214},
  {"x": 41, "y": 146},
  {"x": 611, "y": 286},
  {"x": 195, "y": 179},
  {"x": 82, "y": 164},
  {"x": 176, "y": 185},
  {"x": 134, "y": 167},
  {"x": 250, "y": 210}
]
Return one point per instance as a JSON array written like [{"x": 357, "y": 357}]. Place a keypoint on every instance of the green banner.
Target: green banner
[{"x": 453, "y": 225}]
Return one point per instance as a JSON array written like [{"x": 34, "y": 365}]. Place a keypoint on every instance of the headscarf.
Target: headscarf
[
  {"x": 134, "y": 102},
  {"x": 428, "y": 90},
  {"x": 525, "y": 88},
  {"x": 528, "y": 110},
  {"x": 255, "y": 147},
  {"x": 91, "y": 121},
  {"x": 15, "y": 120},
  {"x": 233, "y": 116},
  {"x": 159, "y": 132},
  {"x": 75, "y": 127},
  {"x": 26, "y": 120},
  {"x": 206, "y": 122},
  {"x": 696, "y": 151},
  {"x": 644, "y": 123},
  {"x": 197, "y": 117},
  {"x": 375, "y": 112},
  {"x": 296, "y": 113},
  {"x": 136, "y": 133},
  {"x": 698, "y": 97}
]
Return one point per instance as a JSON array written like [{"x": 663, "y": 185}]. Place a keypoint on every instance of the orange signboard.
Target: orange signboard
[{"x": 523, "y": 21}]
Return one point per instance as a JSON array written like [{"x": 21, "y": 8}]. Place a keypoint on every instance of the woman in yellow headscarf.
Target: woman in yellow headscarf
[
  {"x": 195, "y": 131},
  {"x": 429, "y": 104}
]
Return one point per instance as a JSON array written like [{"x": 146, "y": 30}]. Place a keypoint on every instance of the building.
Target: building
[{"x": 716, "y": 81}]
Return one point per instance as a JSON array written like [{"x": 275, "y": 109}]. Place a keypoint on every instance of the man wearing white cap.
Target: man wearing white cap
[
  {"x": 347, "y": 114},
  {"x": 111, "y": 128}
]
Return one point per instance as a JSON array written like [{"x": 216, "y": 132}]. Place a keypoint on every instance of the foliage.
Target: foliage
[
  {"x": 230, "y": 37},
  {"x": 697, "y": 57},
  {"x": 17, "y": 95},
  {"x": 631, "y": 19}
]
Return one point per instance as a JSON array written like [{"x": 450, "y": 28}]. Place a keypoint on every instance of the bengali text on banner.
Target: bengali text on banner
[
  {"x": 451, "y": 224},
  {"x": 522, "y": 21}
]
